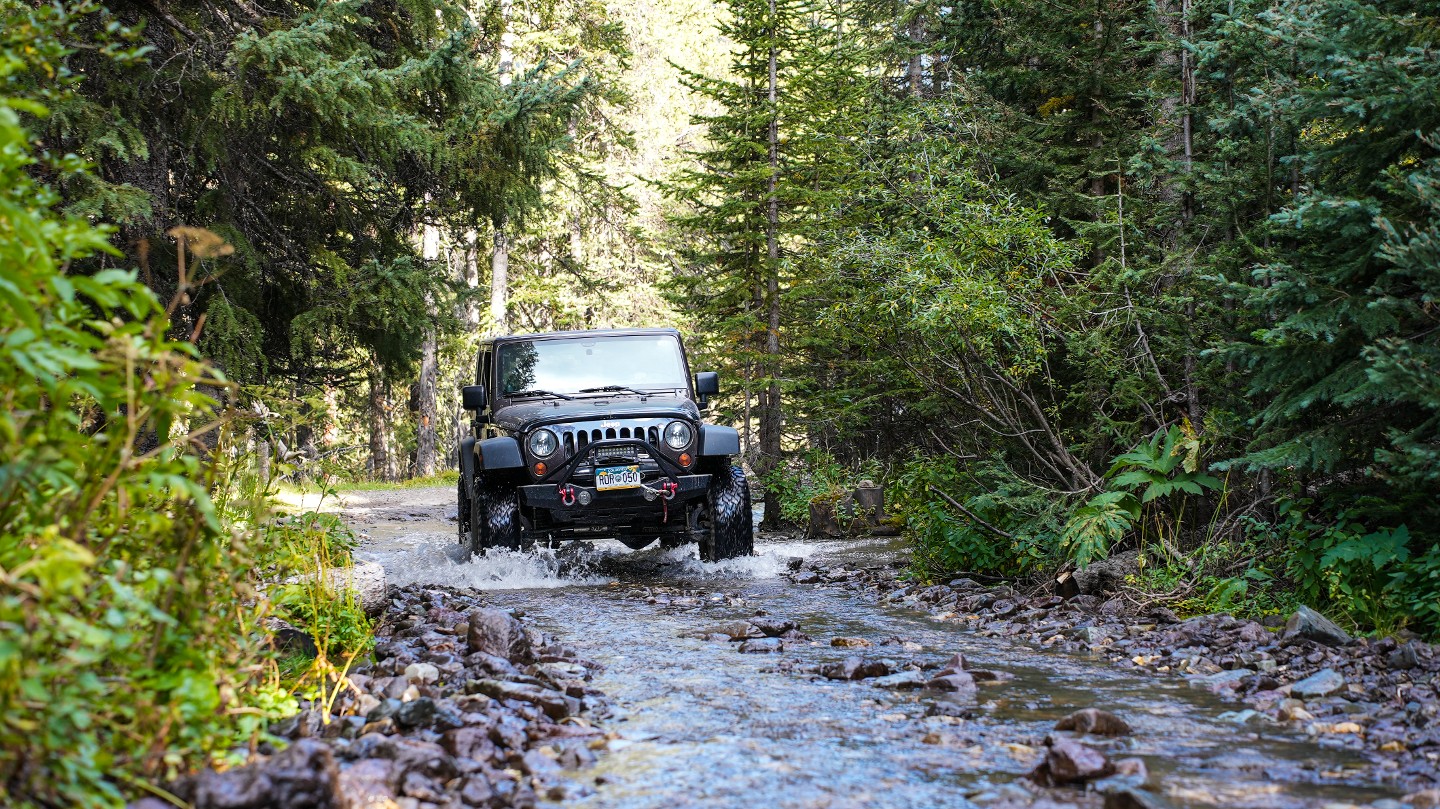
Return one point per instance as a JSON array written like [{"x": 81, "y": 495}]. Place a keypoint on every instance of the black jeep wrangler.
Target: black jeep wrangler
[{"x": 591, "y": 434}]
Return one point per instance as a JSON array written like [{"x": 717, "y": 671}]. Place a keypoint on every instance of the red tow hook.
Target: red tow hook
[
  {"x": 667, "y": 493},
  {"x": 567, "y": 494}
]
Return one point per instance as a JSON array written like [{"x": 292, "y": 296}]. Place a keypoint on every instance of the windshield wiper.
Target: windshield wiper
[
  {"x": 613, "y": 389},
  {"x": 538, "y": 392}
]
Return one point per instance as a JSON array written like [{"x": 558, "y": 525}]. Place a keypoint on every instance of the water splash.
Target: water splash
[{"x": 431, "y": 558}]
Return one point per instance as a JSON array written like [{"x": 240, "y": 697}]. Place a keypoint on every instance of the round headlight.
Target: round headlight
[
  {"x": 678, "y": 435},
  {"x": 543, "y": 443}
]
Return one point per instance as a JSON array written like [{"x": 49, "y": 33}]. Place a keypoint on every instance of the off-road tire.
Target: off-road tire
[
  {"x": 729, "y": 528},
  {"x": 462, "y": 500},
  {"x": 495, "y": 513}
]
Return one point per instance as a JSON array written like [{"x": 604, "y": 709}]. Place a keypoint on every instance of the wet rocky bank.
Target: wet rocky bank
[
  {"x": 1375, "y": 697},
  {"x": 461, "y": 704}
]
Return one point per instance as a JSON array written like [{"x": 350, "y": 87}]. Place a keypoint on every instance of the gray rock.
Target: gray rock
[
  {"x": 762, "y": 646},
  {"x": 1311, "y": 625},
  {"x": 1135, "y": 799},
  {"x": 902, "y": 681},
  {"x": 959, "y": 684},
  {"x": 1322, "y": 683},
  {"x": 1070, "y": 762},
  {"x": 303, "y": 776},
  {"x": 1404, "y": 658},
  {"x": 855, "y": 668},
  {"x": 772, "y": 627},
  {"x": 497, "y": 632},
  {"x": 423, "y": 673}
]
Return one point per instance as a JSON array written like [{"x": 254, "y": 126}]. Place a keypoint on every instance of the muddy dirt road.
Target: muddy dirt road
[{"x": 702, "y": 724}]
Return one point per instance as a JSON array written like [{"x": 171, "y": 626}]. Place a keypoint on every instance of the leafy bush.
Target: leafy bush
[
  {"x": 813, "y": 478},
  {"x": 948, "y": 541},
  {"x": 130, "y": 623}
]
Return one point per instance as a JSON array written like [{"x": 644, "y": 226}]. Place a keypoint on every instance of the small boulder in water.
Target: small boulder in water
[
  {"x": 855, "y": 668},
  {"x": 1096, "y": 721},
  {"x": 1070, "y": 762},
  {"x": 497, "y": 632},
  {"x": 762, "y": 646}
]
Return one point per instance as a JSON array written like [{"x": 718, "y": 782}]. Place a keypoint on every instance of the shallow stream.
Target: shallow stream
[{"x": 703, "y": 725}]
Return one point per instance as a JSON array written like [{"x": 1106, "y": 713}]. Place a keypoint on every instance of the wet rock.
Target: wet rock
[
  {"x": 1135, "y": 799},
  {"x": 855, "y": 668},
  {"x": 1070, "y": 762},
  {"x": 425, "y": 712},
  {"x": 762, "y": 646},
  {"x": 497, "y": 632},
  {"x": 1403, "y": 658},
  {"x": 468, "y": 742},
  {"x": 1096, "y": 721},
  {"x": 302, "y": 776},
  {"x": 554, "y": 704},
  {"x": 1311, "y": 625},
  {"x": 477, "y": 791},
  {"x": 773, "y": 627},
  {"x": 902, "y": 681},
  {"x": 958, "y": 684},
  {"x": 737, "y": 630},
  {"x": 367, "y": 784},
  {"x": 851, "y": 643},
  {"x": 1322, "y": 683}
]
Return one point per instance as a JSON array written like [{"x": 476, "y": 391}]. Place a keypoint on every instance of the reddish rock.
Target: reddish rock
[{"x": 1096, "y": 721}]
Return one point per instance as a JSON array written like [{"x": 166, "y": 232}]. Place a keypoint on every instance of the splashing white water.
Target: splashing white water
[{"x": 429, "y": 558}]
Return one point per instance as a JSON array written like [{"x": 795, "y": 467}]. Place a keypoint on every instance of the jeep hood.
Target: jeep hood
[{"x": 540, "y": 412}]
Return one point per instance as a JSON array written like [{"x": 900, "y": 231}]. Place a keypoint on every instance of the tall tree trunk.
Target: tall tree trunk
[
  {"x": 381, "y": 464},
  {"x": 500, "y": 257},
  {"x": 469, "y": 311},
  {"x": 914, "y": 68},
  {"x": 770, "y": 415},
  {"x": 1175, "y": 117},
  {"x": 427, "y": 435},
  {"x": 500, "y": 281}
]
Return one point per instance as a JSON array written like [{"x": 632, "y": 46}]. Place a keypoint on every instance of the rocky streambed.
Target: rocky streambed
[{"x": 806, "y": 676}]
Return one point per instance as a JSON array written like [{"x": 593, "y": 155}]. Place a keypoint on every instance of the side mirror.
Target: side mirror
[
  {"x": 472, "y": 397},
  {"x": 707, "y": 384}
]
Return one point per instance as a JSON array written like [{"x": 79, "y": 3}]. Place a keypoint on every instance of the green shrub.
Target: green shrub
[
  {"x": 814, "y": 477},
  {"x": 125, "y": 641},
  {"x": 947, "y": 540}
]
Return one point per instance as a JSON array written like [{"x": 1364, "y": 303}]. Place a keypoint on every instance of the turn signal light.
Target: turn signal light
[
  {"x": 685, "y": 459},
  {"x": 540, "y": 468}
]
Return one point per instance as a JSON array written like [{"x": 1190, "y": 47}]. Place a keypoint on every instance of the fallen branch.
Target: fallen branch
[{"x": 968, "y": 513}]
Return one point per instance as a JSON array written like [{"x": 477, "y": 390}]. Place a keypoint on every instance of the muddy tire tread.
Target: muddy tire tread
[
  {"x": 496, "y": 514},
  {"x": 731, "y": 530}
]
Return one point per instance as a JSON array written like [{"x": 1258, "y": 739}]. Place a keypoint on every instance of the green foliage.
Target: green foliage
[
  {"x": 124, "y": 635},
  {"x": 814, "y": 477},
  {"x": 948, "y": 541},
  {"x": 1098, "y": 525},
  {"x": 1154, "y": 465},
  {"x": 1368, "y": 574}
]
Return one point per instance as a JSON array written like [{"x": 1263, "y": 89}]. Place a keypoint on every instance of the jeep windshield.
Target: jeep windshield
[{"x": 591, "y": 365}]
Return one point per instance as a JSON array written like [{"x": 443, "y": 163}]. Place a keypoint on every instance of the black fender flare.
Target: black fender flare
[
  {"x": 500, "y": 453},
  {"x": 716, "y": 440},
  {"x": 467, "y": 462}
]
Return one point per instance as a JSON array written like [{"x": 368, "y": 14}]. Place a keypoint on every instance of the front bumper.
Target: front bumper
[{"x": 590, "y": 505}]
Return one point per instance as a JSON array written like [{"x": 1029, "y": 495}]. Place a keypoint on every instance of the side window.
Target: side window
[{"x": 482, "y": 368}]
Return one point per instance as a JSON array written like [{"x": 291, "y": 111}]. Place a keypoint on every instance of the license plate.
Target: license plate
[{"x": 617, "y": 477}]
